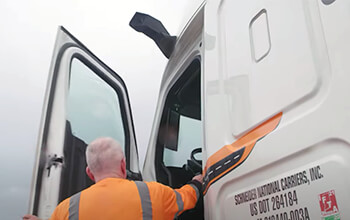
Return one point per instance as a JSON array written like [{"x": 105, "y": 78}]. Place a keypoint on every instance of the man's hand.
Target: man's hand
[
  {"x": 30, "y": 217},
  {"x": 199, "y": 178}
]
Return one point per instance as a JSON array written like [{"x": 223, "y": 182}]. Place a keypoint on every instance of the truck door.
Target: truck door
[{"x": 85, "y": 100}]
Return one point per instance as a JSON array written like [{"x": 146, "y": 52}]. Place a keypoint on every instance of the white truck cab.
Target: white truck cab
[{"x": 254, "y": 96}]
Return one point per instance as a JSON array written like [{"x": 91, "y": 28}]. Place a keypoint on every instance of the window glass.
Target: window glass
[
  {"x": 93, "y": 108},
  {"x": 190, "y": 138}
]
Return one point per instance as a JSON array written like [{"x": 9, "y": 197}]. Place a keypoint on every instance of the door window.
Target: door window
[
  {"x": 189, "y": 138},
  {"x": 93, "y": 108}
]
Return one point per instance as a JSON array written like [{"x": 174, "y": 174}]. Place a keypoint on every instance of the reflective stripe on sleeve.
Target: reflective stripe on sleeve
[
  {"x": 146, "y": 203},
  {"x": 196, "y": 189},
  {"x": 74, "y": 207},
  {"x": 179, "y": 202}
]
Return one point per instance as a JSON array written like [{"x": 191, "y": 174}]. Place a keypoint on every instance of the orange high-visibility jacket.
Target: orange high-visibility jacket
[{"x": 115, "y": 198}]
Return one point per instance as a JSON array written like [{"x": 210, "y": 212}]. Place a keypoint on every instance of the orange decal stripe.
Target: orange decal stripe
[{"x": 247, "y": 141}]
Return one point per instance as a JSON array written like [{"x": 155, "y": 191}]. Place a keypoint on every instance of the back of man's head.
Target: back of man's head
[{"x": 105, "y": 158}]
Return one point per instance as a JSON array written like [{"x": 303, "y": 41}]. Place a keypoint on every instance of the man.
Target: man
[{"x": 114, "y": 197}]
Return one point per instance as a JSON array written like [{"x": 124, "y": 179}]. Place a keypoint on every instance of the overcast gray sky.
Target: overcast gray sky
[{"x": 27, "y": 36}]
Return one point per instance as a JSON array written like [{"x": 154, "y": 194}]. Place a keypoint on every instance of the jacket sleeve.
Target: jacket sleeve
[{"x": 176, "y": 201}]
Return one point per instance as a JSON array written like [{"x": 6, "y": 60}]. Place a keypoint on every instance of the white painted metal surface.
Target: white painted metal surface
[{"x": 304, "y": 75}]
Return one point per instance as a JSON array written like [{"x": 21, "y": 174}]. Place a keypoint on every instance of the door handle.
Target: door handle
[{"x": 53, "y": 161}]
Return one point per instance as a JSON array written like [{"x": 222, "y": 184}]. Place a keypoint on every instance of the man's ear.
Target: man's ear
[
  {"x": 89, "y": 173},
  {"x": 123, "y": 167}
]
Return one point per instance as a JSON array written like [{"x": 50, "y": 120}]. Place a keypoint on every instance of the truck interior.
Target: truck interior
[
  {"x": 73, "y": 177},
  {"x": 179, "y": 142}
]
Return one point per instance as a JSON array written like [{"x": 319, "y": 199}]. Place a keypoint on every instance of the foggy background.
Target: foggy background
[{"x": 27, "y": 36}]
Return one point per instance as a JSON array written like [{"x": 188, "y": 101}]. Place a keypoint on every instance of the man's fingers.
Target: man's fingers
[
  {"x": 26, "y": 217},
  {"x": 198, "y": 178},
  {"x": 30, "y": 217}
]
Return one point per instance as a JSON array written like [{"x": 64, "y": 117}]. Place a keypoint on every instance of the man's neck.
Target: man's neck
[{"x": 105, "y": 176}]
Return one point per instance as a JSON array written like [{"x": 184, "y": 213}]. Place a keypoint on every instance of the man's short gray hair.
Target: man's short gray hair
[{"x": 103, "y": 155}]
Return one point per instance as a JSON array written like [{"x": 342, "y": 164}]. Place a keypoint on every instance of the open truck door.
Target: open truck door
[{"x": 85, "y": 100}]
